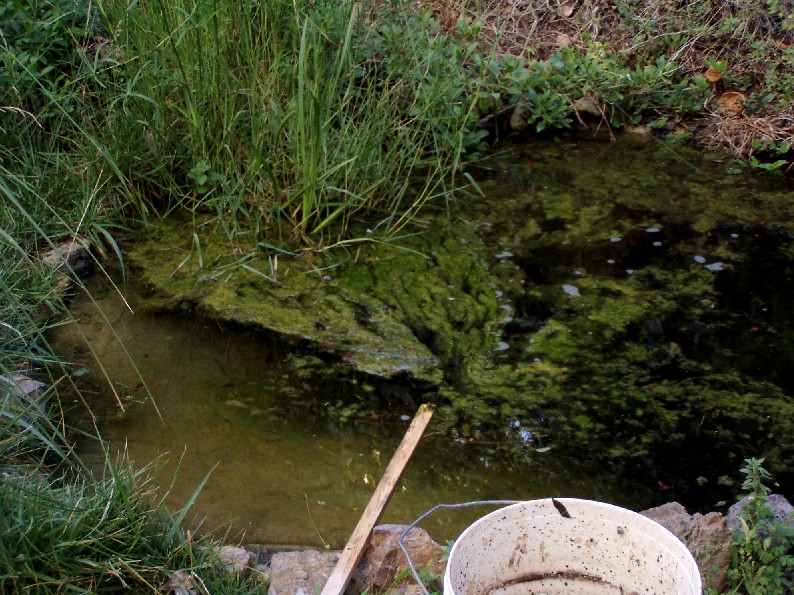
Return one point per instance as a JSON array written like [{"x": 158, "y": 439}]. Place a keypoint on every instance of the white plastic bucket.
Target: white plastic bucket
[{"x": 531, "y": 548}]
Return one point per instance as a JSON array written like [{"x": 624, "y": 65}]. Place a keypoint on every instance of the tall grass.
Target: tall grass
[{"x": 282, "y": 115}]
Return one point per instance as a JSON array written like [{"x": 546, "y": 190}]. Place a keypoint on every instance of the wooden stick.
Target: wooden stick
[{"x": 354, "y": 550}]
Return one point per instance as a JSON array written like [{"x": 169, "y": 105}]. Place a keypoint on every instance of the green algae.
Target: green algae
[
  {"x": 600, "y": 304},
  {"x": 394, "y": 313}
]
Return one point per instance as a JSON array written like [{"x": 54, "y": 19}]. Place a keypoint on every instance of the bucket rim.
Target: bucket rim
[{"x": 550, "y": 507}]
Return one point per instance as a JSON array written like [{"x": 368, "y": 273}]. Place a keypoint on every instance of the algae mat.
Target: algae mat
[{"x": 620, "y": 302}]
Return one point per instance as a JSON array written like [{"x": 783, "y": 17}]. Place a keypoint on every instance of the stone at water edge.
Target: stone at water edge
[
  {"x": 236, "y": 560},
  {"x": 707, "y": 537},
  {"x": 782, "y": 510},
  {"x": 301, "y": 573},
  {"x": 383, "y": 560}
]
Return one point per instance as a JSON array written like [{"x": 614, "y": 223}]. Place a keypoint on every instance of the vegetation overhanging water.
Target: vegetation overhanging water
[{"x": 613, "y": 308}]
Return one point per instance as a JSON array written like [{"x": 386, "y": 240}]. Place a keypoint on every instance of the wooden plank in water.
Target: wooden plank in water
[{"x": 354, "y": 549}]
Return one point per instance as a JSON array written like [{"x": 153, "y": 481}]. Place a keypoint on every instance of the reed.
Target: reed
[{"x": 281, "y": 116}]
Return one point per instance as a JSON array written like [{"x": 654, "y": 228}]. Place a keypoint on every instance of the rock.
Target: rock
[
  {"x": 237, "y": 560},
  {"x": 181, "y": 583},
  {"x": 519, "y": 118},
  {"x": 781, "y": 510},
  {"x": 383, "y": 560},
  {"x": 69, "y": 257},
  {"x": 588, "y": 105},
  {"x": 261, "y": 574},
  {"x": 707, "y": 537},
  {"x": 25, "y": 395},
  {"x": 300, "y": 573}
]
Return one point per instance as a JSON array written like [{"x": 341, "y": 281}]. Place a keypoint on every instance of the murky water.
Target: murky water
[
  {"x": 280, "y": 474},
  {"x": 644, "y": 352}
]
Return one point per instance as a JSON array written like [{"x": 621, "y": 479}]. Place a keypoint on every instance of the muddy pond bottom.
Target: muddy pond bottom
[{"x": 204, "y": 405}]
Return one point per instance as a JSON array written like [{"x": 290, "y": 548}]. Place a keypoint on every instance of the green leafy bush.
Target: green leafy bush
[
  {"x": 763, "y": 561},
  {"x": 38, "y": 47}
]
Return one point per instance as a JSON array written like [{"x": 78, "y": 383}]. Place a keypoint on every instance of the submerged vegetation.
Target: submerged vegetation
[{"x": 299, "y": 126}]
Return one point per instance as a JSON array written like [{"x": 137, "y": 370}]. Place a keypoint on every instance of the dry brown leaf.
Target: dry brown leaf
[
  {"x": 563, "y": 39},
  {"x": 713, "y": 76},
  {"x": 566, "y": 10},
  {"x": 731, "y": 103}
]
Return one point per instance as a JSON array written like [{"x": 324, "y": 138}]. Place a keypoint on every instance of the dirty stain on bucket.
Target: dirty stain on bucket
[{"x": 568, "y": 545}]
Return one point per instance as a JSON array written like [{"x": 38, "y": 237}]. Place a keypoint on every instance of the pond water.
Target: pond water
[
  {"x": 638, "y": 347},
  {"x": 282, "y": 475}
]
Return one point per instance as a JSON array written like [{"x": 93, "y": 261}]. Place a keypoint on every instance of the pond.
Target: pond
[{"x": 607, "y": 320}]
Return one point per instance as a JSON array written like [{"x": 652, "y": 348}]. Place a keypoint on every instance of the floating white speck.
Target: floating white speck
[
  {"x": 714, "y": 266},
  {"x": 657, "y": 244},
  {"x": 611, "y": 261},
  {"x": 700, "y": 259},
  {"x": 653, "y": 230},
  {"x": 405, "y": 417},
  {"x": 504, "y": 254},
  {"x": 615, "y": 239},
  {"x": 629, "y": 271},
  {"x": 578, "y": 273},
  {"x": 734, "y": 235},
  {"x": 499, "y": 293},
  {"x": 543, "y": 449},
  {"x": 571, "y": 290},
  {"x": 502, "y": 346}
]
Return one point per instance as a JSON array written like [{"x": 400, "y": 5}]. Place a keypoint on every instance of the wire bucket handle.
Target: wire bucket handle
[{"x": 404, "y": 550}]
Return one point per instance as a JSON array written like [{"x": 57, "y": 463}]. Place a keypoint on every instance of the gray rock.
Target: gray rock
[
  {"x": 781, "y": 510},
  {"x": 300, "y": 573},
  {"x": 181, "y": 583},
  {"x": 236, "y": 560},
  {"x": 707, "y": 537},
  {"x": 383, "y": 560},
  {"x": 69, "y": 257},
  {"x": 24, "y": 396}
]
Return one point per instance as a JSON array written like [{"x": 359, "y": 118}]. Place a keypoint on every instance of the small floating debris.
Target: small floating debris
[
  {"x": 629, "y": 271},
  {"x": 653, "y": 230},
  {"x": 610, "y": 261},
  {"x": 571, "y": 290},
  {"x": 615, "y": 239},
  {"x": 714, "y": 266},
  {"x": 700, "y": 259},
  {"x": 657, "y": 244},
  {"x": 405, "y": 417},
  {"x": 81, "y": 372},
  {"x": 504, "y": 254},
  {"x": 543, "y": 449},
  {"x": 235, "y": 403},
  {"x": 734, "y": 235},
  {"x": 502, "y": 346}
]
